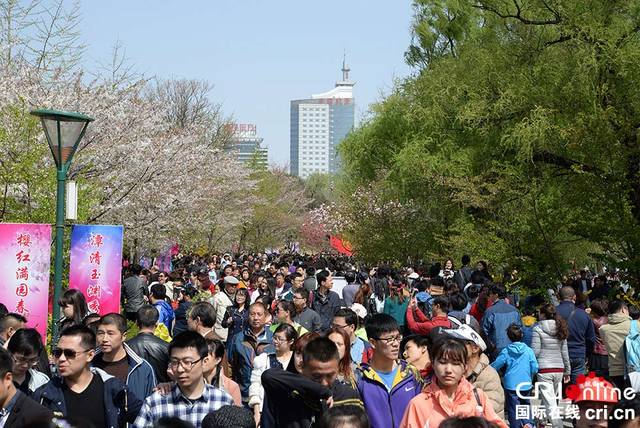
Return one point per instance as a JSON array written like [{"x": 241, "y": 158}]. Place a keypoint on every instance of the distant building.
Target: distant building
[
  {"x": 247, "y": 146},
  {"x": 318, "y": 125}
]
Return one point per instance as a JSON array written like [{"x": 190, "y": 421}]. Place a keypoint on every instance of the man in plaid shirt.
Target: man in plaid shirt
[{"x": 190, "y": 399}]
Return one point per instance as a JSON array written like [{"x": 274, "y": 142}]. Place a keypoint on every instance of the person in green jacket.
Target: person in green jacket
[{"x": 397, "y": 302}]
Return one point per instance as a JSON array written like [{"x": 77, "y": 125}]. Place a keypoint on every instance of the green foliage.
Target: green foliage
[{"x": 517, "y": 139}]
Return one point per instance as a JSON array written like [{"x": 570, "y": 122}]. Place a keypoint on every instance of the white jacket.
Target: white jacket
[{"x": 256, "y": 391}]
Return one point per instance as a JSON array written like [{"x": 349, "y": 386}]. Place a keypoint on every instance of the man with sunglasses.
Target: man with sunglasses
[
  {"x": 191, "y": 399},
  {"x": 386, "y": 384},
  {"x": 84, "y": 392}
]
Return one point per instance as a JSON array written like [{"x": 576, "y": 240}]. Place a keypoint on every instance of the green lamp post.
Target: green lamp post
[{"x": 64, "y": 131}]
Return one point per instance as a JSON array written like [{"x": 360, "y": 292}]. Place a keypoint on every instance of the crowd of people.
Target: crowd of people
[{"x": 268, "y": 341}]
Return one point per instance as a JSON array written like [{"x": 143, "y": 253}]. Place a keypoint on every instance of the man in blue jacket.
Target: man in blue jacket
[
  {"x": 84, "y": 392},
  {"x": 499, "y": 317},
  {"x": 118, "y": 359},
  {"x": 582, "y": 335},
  {"x": 386, "y": 384},
  {"x": 246, "y": 345}
]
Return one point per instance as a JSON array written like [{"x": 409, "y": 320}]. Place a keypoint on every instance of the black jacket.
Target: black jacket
[
  {"x": 154, "y": 350},
  {"x": 26, "y": 411},
  {"x": 293, "y": 401}
]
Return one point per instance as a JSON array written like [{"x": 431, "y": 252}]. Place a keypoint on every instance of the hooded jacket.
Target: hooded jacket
[
  {"x": 385, "y": 408},
  {"x": 486, "y": 378},
  {"x": 550, "y": 352},
  {"x": 433, "y": 406},
  {"x": 120, "y": 405},
  {"x": 521, "y": 365},
  {"x": 141, "y": 379},
  {"x": 613, "y": 335},
  {"x": 36, "y": 380},
  {"x": 166, "y": 313}
]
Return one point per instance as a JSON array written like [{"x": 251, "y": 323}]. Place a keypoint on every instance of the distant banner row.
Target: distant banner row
[{"x": 25, "y": 257}]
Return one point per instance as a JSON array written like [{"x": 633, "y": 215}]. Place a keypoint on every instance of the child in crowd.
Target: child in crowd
[{"x": 520, "y": 366}]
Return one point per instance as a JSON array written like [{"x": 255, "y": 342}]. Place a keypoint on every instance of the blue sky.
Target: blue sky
[{"x": 259, "y": 55}]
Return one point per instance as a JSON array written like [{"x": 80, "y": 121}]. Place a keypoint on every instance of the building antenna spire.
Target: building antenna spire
[{"x": 345, "y": 68}]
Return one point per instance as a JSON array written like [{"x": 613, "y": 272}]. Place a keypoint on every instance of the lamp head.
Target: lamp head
[{"x": 63, "y": 130}]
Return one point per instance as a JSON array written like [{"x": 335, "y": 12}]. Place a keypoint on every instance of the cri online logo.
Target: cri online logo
[{"x": 592, "y": 388}]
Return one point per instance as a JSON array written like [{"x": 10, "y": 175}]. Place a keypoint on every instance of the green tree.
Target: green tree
[{"x": 518, "y": 134}]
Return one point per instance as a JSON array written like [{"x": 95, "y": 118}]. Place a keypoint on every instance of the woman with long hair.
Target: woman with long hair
[
  {"x": 449, "y": 393},
  {"x": 363, "y": 295},
  {"x": 298, "y": 347},
  {"x": 74, "y": 308},
  {"x": 283, "y": 339},
  {"x": 346, "y": 367},
  {"x": 549, "y": 344},
  {"x": 214, "y": 374},
  {"x": 237, "y": 315},
  {"x": 599, "y": 358}
]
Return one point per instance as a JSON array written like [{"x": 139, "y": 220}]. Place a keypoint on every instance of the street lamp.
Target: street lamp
[{"x": 64, "y": 131}]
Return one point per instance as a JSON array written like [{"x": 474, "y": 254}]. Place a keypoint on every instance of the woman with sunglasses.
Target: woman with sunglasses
[
  {"x": 283, "y": 339},
  {"x": 237, "y": 315},
  {"x": 26, "y": 347}
]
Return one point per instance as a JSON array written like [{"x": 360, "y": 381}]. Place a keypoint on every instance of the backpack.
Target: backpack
[{"x": 632, "y": 348}]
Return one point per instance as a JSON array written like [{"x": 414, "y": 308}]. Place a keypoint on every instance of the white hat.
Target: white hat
[
  {"x": 465, "y": 332},
  {"x": 359, "y": 310},
  {"x": 231, "y": 280}
]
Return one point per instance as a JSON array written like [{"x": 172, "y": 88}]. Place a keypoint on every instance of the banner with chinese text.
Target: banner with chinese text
[
  {"x": 96, "y": 265},
  {"x": 25, "y": 259}
]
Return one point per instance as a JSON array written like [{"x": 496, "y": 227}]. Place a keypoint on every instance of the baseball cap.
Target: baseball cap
[
  {"x": 465, "y": 332},
  {"x": 231, "y": 280}
]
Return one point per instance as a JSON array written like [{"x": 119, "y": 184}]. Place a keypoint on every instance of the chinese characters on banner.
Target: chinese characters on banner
[
  {"x": 25, "y": 256},
  {"x": 96, "y": 265}
]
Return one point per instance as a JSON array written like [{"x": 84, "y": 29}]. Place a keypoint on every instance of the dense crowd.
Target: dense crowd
[{"x": 292, "y": 341}]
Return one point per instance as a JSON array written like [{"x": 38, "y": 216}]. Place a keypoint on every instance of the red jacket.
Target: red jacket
[{"x": 419, "y": 323}]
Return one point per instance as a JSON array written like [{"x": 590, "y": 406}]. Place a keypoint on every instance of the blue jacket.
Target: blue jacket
[
  {"x": 386, "y": 408},
  {"x": 582, "y": 334},
  {"x": 141, "y": 379},
  {"x": 496, "y": 320},
  {"x": 120, "y": 405},
  {"x": 521, "y": 366},
  {"x": 166, "y": 313},
  {"x": 243, "y": 349}
]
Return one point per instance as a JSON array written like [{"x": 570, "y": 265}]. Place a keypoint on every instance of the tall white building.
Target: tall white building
[{"x": 318, "y": 124}]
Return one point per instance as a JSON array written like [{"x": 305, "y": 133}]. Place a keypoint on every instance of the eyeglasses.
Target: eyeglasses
[
  {"x": 334, "y": 325},
  {"x": 69, "y": 354},
  {"x": 389, "y": 340},
  {"x": 277, "y": 339},
  {"x": 186, "y": 365},
  {"x": 21, "y": 359}
]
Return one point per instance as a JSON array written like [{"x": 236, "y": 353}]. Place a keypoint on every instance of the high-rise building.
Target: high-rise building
[
  {"x": 318, "y": 125},
  {"x": 247, "y": 145}
]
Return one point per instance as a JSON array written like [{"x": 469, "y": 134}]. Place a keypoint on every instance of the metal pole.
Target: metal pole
[{"x": 57, "y": 282}]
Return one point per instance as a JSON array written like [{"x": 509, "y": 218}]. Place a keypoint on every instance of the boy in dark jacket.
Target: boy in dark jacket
[
  {"x": 292, "y": 400},
  {"x": 21, "y": 410}
]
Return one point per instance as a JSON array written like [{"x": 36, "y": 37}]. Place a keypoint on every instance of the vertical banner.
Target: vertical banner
[
  {"x": 96, "y": 265},
  {"x": 25, "y": 259}
]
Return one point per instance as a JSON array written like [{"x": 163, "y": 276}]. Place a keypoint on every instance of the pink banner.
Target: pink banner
[
  {"x": 25, "y": 258},
  {"x": 96, "y": 265}
]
